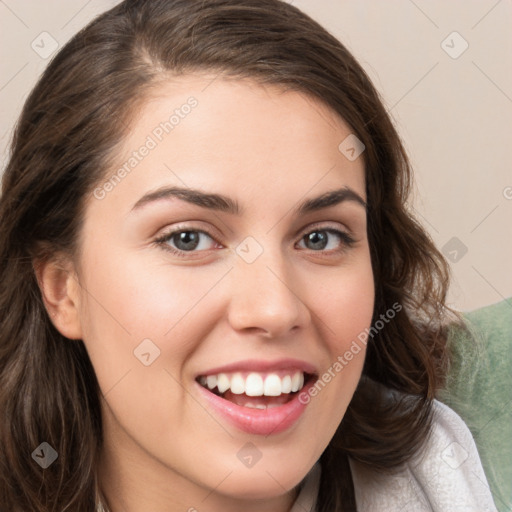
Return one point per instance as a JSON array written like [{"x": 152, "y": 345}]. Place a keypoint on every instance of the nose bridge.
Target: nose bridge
[{"x": 264, "y": 297}]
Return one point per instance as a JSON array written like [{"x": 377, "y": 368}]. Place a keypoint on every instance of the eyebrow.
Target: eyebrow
[
  {"x": 205, "y": 200},
  {"x": 225, "y": 204},
  {"x": 330, "y": 198}
]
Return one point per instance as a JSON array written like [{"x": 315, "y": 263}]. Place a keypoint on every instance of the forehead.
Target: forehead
[{"x": 207, "y": 132}]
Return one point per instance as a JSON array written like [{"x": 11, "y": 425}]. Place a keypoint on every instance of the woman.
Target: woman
[{"x": 213, "y": 296}]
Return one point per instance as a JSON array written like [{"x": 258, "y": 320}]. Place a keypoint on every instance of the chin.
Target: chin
[{"x": 269, "y": 481}]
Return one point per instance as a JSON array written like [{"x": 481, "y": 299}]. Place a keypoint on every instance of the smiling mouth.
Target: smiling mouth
[{"x": 256, "y": 390}]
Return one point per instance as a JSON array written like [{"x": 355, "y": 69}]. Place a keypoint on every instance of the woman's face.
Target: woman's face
[{"x": 254, "y": 290}]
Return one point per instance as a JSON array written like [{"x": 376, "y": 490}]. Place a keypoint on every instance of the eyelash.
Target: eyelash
[{"x": 346, "y": 240}]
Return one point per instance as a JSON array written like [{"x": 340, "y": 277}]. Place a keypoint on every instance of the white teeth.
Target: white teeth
[
  {"x": 260, "y": 406},
  {"x": 255, "y": 384},
  {"x": 297, "y": 381},
  {"x": 286, "y": 384},
  {"x": 237, "y": 384},
  {"x": 223, "y": 382},
  {"x": 211, "y": 381},
  {"x": 255, "y": 406},
  {"x": 273, "y": 385}
]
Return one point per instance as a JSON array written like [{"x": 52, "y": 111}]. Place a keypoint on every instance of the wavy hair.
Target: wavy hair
[{"x": 74, "y": 118}]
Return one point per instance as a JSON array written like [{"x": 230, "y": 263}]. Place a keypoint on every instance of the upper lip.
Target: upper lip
[{"x": 258, "y": 365}]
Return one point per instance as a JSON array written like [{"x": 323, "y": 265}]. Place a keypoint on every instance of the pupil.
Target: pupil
[
  {"x": 318, "y": 239},
  {"x": 187, "y": 240}
]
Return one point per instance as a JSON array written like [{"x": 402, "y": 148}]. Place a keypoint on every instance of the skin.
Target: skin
[{"x": 269, "y": 150}]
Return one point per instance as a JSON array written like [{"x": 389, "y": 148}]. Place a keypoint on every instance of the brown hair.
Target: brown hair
[{"x": 73, "y": 119}]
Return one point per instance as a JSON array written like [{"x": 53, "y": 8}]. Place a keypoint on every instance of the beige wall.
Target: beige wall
[{"x": 453, "y": 111}]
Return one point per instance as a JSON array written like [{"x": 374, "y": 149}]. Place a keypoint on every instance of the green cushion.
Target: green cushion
[{"x": 479, "y": 389}]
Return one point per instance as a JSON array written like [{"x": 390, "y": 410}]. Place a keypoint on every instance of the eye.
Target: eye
[
  {"x": 186, "y": 240},
  {"x": 327, "y": 239}
]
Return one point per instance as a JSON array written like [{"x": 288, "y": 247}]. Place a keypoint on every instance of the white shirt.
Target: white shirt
[{"x": 446, "y": 476}]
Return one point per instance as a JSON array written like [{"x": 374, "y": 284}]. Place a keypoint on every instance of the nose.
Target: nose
[{"x": 265, "y": 299}]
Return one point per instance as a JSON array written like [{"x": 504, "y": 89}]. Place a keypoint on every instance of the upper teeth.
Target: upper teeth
[{"x": 255, "y": 384}]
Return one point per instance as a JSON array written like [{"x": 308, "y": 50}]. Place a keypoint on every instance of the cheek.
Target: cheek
[
  {"x": 141, "y": 324},
  {"x": 345, "y": 307},
  {"x": 127, "y": 303}
]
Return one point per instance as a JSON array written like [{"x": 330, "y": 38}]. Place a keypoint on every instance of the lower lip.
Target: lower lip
[{"x": 263, "y": 422}]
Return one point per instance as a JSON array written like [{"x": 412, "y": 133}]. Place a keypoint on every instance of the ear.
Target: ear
[{"x": 60, "y": 290}]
